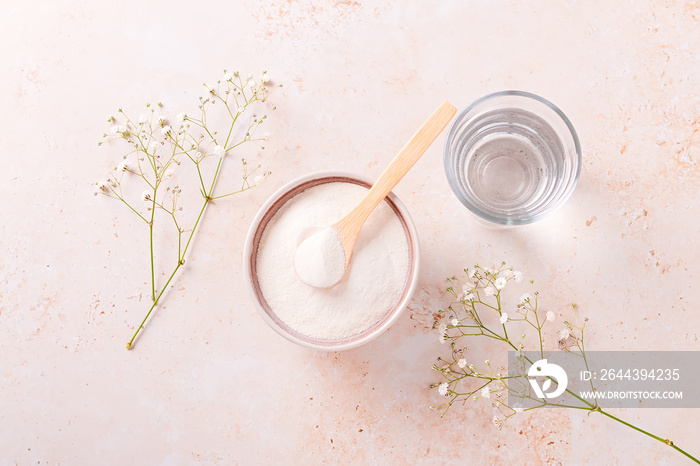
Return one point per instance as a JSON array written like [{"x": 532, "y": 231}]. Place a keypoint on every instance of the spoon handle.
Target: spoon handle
[{"x": 399, "y": 166}]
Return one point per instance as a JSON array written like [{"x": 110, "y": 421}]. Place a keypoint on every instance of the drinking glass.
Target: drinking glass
[{"x": 512, "y": 157}]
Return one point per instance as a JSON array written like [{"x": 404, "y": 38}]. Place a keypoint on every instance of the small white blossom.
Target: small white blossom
[
  {"x": 489, "y": 291},
  {"x": 525, "y": 298},
  {"x": 169, "y": 173},
  {"x": 468, "y": 297},
  {"x": 166, "y": 130},
  {"x": 468, "y": 287},
  {"x": 143, "y": 118},
  {"x": 259, "y": 179},
  {"x": 442, "y": 389},
  {"x": 500, "y": 283},
  {"x": 496, "y": 421},
  {"x": 504, "y": 318},
  {"x": 551, "y": 316},
  {"x": 518, "y": 276},
  {"x": 161, "y": 120},
  {"x": 219, "y": 151},
  {"x": 462, "y": 363},
  {"x": 123, "y": 166},
  {"x": 564, "y": 334},
  {"x": 455, "y": 322},
  {"x": 264, "y": 78},
  {"x": 485, "y": 392},
  {"x": 472, "y": 273},
  {"x": 115, "y": 129},
  {"x": 146, "y": 196},
  {"x": 518, "y": 410},
  {"x": 228, "y": 76},
  {"x": 508, "y": 273},
  {"x": 181, "y": 117},
  {"x": 241, "y": 109}
]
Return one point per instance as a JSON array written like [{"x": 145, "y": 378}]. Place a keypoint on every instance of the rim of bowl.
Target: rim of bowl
[
  {"x": 498, "y": 220},
  {"x": 267, "y": 211}
]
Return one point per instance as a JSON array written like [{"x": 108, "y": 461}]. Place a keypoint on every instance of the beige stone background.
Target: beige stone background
[{"x": 209, "y": 382}]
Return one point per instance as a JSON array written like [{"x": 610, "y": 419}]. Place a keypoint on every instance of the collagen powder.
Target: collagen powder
[
  {"x": 372, "y": 283},
  {"x": 320, "y": 259}
]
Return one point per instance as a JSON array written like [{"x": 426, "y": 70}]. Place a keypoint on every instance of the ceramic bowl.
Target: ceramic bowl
[{"x": 268, "y": 210}]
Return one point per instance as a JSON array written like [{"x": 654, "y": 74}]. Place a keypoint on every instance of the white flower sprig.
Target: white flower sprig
[
  {"x": 158, "y": 148},
  {"x": 477, "y": 306}
]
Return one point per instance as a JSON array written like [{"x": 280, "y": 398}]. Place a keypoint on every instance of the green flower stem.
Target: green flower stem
[
  {"x": 155, "y": 302},
  {"x": 150, "y": 235},
  {"x": 665, "y": 441},
  {"x": 180, "y": 263}
]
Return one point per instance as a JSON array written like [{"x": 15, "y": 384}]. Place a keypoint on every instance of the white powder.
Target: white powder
[
  {"x": 320, "y": 259},
  {"x": 372, "y": 284}
]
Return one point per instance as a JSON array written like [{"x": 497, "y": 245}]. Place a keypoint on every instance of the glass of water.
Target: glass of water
[{"x": 512, "y": 157}]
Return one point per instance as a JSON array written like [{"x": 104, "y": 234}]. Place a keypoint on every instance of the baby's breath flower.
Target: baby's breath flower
[
  {"x": 518, "y": 276},
  {"x": 504, "y": 318},
  {"x": 219, "y": 151},
  {"x": 462, "y": 363},
  {"x": 518, "y": 410},
  {"x": 564, "y": 334},
  {"x": 500, "y": 283},
  {"x": 455, "y": 322},
  {"x": 489, "y": 291},
  {"x": 442, "y": 389},
  {"x": 485, "y": 392},
  {"x": 468, "y": 287},
  {"x": 468, "y": 297},
  {"x": 259, "y": 179},
  {"x": 179, "y": 140},
  {"x": 551, "y": 316},
  {"x": 525, "y": 298}
]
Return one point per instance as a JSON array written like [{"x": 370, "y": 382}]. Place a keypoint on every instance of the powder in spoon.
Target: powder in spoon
[
  {"x": 369, "y": 289},
  {"x": 320, "y": 259}
]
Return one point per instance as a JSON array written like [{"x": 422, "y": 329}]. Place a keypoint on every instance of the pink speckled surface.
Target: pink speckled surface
[{"x": 210, "y": 383}]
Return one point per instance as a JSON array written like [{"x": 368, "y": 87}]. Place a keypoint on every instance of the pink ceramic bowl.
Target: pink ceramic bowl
[{"x": 273, "y": 204}]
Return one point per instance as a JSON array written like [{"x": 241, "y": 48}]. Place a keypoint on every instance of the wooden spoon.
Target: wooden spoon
[{"x": 318, "y": 259}]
